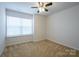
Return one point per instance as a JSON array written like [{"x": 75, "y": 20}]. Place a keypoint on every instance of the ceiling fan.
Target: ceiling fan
[{"x": 42, "y": 6}]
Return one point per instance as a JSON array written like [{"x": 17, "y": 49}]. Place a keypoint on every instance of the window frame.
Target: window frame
[{"x": 21, "y": 30}]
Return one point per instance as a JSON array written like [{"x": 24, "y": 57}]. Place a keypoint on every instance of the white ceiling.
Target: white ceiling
[{"x": 26, "y": 7}]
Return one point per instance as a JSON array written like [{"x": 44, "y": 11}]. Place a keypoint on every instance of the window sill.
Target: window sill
[{"x": 19, "y": 36}]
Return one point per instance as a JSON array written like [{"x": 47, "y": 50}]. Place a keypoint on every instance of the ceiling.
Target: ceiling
[{"x": 26, "y": 7}]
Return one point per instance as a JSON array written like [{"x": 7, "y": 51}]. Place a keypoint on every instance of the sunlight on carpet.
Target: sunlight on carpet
[{"x": 38, "y": 49}]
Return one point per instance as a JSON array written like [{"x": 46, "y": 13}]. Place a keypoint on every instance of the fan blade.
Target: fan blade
[
  {"x": 34, "y": 7},
  {"x": 46, "y": 10},
  {"x": 49, "y": 4},
  {"x": 38, "y": 11}
]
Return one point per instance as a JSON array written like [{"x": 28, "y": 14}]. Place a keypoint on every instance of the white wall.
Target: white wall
[
  {"x": 18, "y": 39},
  {"x": 2, "y": 30},
  {"x": 63, "y": 27},
  {"x": 39, "y": 27},
  {"x": 39, "y": 32}
]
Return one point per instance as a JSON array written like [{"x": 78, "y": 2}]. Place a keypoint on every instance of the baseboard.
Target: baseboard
[{"x": 62, "y": 44}]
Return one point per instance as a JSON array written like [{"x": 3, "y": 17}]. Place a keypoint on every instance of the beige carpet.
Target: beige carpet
[{"x": 44, "y": 48}]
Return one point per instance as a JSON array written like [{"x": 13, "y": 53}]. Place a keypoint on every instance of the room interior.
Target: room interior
[{"x": 39, "y": 29}]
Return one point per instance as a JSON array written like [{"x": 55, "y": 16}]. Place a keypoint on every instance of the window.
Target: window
[{"x": 17, "y": 26}]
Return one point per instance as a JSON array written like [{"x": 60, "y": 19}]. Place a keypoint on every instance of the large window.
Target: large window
[{"x": 17, "y": 26}]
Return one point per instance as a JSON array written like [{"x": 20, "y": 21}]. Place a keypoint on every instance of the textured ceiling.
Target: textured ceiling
[{"x": 26, "y": 7}]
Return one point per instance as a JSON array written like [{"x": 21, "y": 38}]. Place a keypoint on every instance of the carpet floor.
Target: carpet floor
[{"x": 44, "y": 48}]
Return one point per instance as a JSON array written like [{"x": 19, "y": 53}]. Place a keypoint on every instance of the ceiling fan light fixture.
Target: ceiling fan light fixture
[
  {"x": 41, "y": 9},
  {"x": 42, "y": 6}
]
